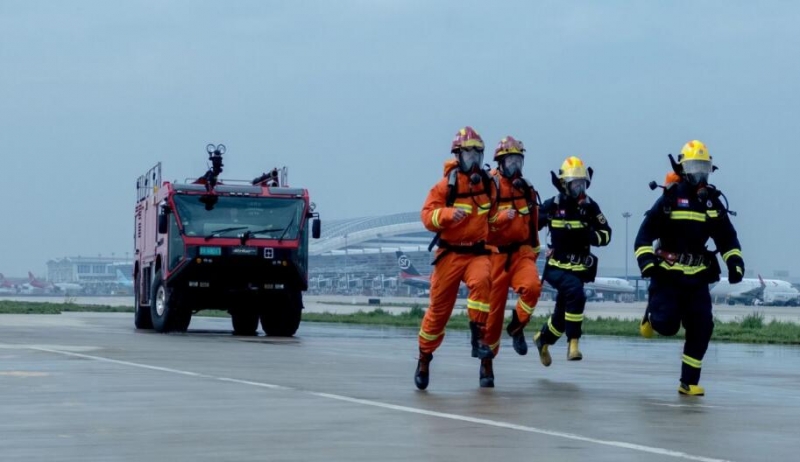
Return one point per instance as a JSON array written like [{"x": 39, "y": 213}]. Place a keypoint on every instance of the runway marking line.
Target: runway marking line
[{"x": 395, "y": 407}]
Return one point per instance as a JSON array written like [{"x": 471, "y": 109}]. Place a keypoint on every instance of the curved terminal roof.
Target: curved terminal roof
[{"x": 338, "y": 234}]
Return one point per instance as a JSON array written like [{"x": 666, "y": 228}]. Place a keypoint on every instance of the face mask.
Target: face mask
[
  {"x": 511, "y": 165},
  {"x": 470, "y": 159},
  {"x": 576, "y": 188}
]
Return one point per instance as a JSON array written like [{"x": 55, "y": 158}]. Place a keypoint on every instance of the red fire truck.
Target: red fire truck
[{"x": 209, "y": 243}]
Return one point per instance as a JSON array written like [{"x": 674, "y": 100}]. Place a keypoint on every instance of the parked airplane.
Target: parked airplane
[
  {"x": 753, "y": 291},
  {"x": 122, "y": 280},
  {"x": 49, "y": 286},
  {"x": 613, "y": 286}
]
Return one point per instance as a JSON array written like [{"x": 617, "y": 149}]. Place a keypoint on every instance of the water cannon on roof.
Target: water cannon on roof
[{"x": 210, "y": 178}]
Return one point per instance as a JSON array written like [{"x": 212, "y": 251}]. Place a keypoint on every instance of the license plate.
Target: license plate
[{"x": 210, "y": 251}]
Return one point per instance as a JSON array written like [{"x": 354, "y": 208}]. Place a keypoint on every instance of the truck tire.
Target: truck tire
[
  {"x": 141, "y": 315},
  {"x": 281, "y": 316},
  {"x": 245, "y": 322},
  {"x": 164, "y": 310}
]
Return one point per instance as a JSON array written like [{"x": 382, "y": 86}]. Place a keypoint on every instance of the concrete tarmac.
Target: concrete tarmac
[{"x": 88, "y": 387}]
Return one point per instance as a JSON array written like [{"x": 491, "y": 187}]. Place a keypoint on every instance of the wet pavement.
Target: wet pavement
[{"x": 88, "y": 387}]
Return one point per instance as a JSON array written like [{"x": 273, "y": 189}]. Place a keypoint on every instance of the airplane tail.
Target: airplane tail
[
  {"x": 31, "y": 277},
  {"x": 121, "y": 277},
  {"x": 761, "y": 281},
  {"x": 405, "y": 264}
]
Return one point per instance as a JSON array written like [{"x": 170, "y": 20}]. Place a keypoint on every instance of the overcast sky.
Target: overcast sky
[{"x": 360, "y": 99}]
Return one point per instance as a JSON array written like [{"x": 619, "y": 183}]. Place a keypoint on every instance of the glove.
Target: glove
[{"x": 735, "y": 269}]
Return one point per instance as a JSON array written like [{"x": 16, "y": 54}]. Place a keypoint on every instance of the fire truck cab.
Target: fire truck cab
[{"x": 209, "y": 243}]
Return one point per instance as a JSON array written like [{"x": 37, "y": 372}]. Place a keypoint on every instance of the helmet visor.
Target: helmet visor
[
  {"x": 512, "y": 164},
  {"x": 697, "y": 171},
  {"x": 470, "y": 159},
  {"x": 576, "y": 187}
]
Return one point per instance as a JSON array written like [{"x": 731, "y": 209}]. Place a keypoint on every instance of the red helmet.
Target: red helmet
[
  {"x": 508, "y": 145},
  {"x": 467, "y": 137}
]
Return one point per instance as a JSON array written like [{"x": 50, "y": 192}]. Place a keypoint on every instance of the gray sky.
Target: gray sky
[{"x": 360, "y": 99}]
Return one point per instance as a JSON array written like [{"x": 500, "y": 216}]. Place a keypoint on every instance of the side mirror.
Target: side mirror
[
  {"x": 316, "y": 228},
  {"x": 163, "y": 219}
]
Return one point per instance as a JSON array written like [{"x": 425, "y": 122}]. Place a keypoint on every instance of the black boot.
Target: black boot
[
  {"x": 475, "y": 330},
  {"x": 486, "y": 374},
  {"x": 515, "y": 330},
  {"x": 421, "y": 375}
]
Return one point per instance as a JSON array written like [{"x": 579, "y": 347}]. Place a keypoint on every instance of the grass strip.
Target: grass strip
[{"x": 752, "y": 328}]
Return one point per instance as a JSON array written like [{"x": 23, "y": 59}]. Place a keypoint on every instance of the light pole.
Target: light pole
[
  {"x": 626, "y": 215},
  {"x": 346, "y": 278}
]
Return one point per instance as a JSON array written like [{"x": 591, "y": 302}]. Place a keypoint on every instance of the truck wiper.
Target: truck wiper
[
  {"x": 224, "y": 230},
  {"x": 287, "y": 228},
  {"x": 251, "y": 234}
]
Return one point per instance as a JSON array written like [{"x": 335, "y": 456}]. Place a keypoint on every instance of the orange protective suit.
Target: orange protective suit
[
  {"x": 515, "y": 263},
  {"x": 458, "y": 257}
]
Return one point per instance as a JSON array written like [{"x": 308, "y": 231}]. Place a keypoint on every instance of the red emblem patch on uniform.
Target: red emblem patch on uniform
[{"x": 683, "y": 202}]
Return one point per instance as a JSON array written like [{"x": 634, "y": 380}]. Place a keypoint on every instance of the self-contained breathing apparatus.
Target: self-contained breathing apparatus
[
  {"x": 479, "y": 177},
  {"x": 533, "y": 202}
]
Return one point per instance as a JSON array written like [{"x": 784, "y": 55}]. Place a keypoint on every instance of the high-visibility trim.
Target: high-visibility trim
[
  {"x": 482, "y": 211},
  {"x": 645, "y": 249},
  {"x": 566, "y": 266},
  {"x": 537, "y": 249},
  {"x": 599, "y": 237},
  {"x": 464, "y": 207},
  {"x": 607, "y": 236},
  {"x": 525, "y": 307},
  {"x": 649, "y": 265},
  {"x": 495, "y": 345},
  {"x": 695, "y": 363},
  {"x": 494, "y": 218},
  {"x": 731, "y": 253},
  {"x": 428, "y": 336},
  {"x": 524, "y": 210},
  {"x": 573, "y": 317},
  {"x": 477, "y": 305},
  {"x": 504, "y": 207},
  {"x": 435, "y": 218},
  {"x": 685, "y": 269},
  {"x": 712, "y": 213},
  {"x": 687, "y": 215},
  {"x": 553, "y": 330},
  {"x": 573, "y": 224}
]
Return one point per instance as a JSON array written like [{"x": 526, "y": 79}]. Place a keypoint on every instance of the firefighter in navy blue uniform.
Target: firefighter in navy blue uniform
[
  {"x": 680, "y": 266},
  {"x": 575, "y": 223}
]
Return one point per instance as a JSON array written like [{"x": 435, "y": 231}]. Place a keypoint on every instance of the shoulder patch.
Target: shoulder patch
[{"x": 601, "y": 219}]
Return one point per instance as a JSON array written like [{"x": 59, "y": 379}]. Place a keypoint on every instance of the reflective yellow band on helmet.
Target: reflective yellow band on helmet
[
  {"x": 689, "y": 361},
  {"x": 552, "y": 329},
  {"x": 572, "y": 317},
  {"x": 712, "y": 213},
  {"x": 573, "y": 224},
  {"x": 687, "y": 215},
  {"x": 428, "y": 336},
  {"x": 525, "y": 307},
  {"x": 685, "y": 269},
  {"x": 464, "y": 207},
  {"x": 643, "y": 250},
  {"x": 478, "y": 306},
  {"x": 566, "y": 266},
  {"x": 435, "y": 218},
  {"x": 731, "y": 253}
]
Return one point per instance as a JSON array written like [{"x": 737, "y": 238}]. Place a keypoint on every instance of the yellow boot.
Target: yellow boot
[
  {"x": 573, "y": 353},
  {"x": 544, "y": 355},
  {"x": 646, "y": 328},
  {"x": 691, "y": 390}
]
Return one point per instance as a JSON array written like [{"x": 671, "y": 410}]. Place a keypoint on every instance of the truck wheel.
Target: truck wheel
[
  {"x": 245, "y": 322},
  {"x": 141, "y": 315},
  {"x": 281, "y": 317},
  {"x": 163, "y": 309},
  {"x": 182, "y": 319}
]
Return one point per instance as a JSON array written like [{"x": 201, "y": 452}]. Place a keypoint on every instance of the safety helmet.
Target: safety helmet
[
  {"x": 466, "y": 138},
  {"x": 695, "y": 162},
  {"x": 574, "y": 176},
  {"x": 508, "y": 145}
]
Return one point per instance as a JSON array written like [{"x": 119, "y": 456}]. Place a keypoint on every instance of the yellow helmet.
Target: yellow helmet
[
  {"x": 694, "y": 150},
  {"x": 572, "y": 169},
  {"x": 695, "y": 163}
]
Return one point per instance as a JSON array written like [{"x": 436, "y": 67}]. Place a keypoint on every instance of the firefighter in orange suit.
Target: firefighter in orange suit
[
  {"x": 457, "y": 209},
  {"x": 513, "y": 230}
]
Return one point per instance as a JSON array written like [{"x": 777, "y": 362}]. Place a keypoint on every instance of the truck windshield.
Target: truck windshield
[{"x": 261, "y": 217}]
